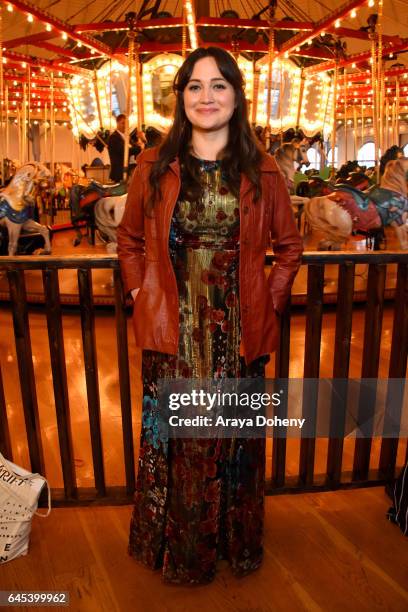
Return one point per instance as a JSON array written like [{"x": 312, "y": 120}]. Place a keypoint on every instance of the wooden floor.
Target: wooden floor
[{"x": 332, "y": 552}]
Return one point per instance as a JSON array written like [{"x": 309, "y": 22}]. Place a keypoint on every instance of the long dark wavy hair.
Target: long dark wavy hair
[{"x": 242, "y": 154}]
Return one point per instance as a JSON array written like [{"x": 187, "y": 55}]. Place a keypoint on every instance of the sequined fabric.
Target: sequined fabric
[{"x": 197, "y": 501}]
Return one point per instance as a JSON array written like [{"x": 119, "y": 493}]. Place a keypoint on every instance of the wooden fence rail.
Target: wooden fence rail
[{"x": 71, "y": 494}]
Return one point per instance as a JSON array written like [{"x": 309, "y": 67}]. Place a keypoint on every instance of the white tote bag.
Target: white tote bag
[{"x": 19, "y": 493}]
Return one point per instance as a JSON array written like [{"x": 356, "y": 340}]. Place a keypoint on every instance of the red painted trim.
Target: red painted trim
[{"x": 320, "y": 26}]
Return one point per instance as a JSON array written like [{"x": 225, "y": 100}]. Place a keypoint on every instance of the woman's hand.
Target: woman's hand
[{"x": 134, "y": 293}]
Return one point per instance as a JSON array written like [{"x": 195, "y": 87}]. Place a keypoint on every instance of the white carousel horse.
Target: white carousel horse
[
  {"x": 108, "y": 214},
  {"x": 347, "y": 209},
  {"x": 287, "y": 157},
  {"x": 17, "y": 201}
]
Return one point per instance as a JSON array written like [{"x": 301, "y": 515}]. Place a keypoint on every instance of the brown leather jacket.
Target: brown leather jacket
[{"x": 145, "y": 261}]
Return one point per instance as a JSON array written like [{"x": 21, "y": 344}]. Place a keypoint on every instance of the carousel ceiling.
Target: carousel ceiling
[
  {"x": 317, "y": 27},
  {"x": 49, "y": 43}
]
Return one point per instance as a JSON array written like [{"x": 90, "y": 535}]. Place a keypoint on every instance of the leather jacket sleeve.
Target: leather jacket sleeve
[
  {"x": 287, "y": 246},
  {"x": 130, "y": 234}
]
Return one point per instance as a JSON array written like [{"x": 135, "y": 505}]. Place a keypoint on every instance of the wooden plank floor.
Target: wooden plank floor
[{"x": 331, "y": 551}]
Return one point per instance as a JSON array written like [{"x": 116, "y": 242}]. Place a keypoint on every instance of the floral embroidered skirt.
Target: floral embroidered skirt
[{"x": 200, "y": 500}]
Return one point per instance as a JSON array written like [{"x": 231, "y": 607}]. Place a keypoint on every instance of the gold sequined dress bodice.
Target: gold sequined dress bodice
[{"x": 204, "y": 249}]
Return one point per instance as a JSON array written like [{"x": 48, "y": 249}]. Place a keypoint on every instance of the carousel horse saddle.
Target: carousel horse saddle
[
  {"x": 117, "y": 189},
  {"x": 361, "y": 199},
  {"x": 391, "y": 205},
  {"x": 361, "y": 209},
  {"x": 83, "y": 197},
  {"x": 16, "y": 216}
]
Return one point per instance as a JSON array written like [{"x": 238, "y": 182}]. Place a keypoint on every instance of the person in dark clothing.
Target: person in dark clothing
[{"x": 116, "y": 148}]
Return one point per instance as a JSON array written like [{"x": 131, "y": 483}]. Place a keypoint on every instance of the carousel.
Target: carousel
[{"x": 327, "y": 96}]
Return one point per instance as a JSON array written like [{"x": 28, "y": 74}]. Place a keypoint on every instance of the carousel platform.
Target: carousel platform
[{"x": 62, "y": 244}]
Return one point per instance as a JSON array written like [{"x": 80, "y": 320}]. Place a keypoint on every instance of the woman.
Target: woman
[{"x": 191, "y": 246}]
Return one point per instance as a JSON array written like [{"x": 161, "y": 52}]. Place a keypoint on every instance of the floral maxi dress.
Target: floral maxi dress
[{"x": 199, "y": 500}]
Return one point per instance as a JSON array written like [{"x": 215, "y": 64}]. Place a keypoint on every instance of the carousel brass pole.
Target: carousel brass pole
[
  {"x": 52, "y": 117},
  {"x": 45, "y": 134},
  {"x": 374, "y": 99},
  {"x": 6, "y": 103},
  {"x": 345, "y": 114},
  {"x": 131, "y": 47},
  {"x": 257, "y": 74},
  {"x": 281, "y": 103},
  {"x": 334, "y": 122},
  {"x": 269, "y": 84},
  {"x": 355, "y": 130},
  {"x": 393, "y": 124},
  {"x": 362, "y": 123},
  {"x": 18, "y": 116},
  {"x": 300, "y": 101},
  {"x": 24, "y": 126},
  {"x": 28, "y": 110},
  {"x": 110, "y": 95},
  {"x": 98, "y": 102},
  {"x": 397, "y": 111},
  {"x": 184, "y": 36},
  {"x": 139, "y": 89},
  {"x": 387, "y": 124}
]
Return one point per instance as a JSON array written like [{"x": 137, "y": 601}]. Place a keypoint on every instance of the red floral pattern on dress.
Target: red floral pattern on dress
[{"x": 199, "y": 500}]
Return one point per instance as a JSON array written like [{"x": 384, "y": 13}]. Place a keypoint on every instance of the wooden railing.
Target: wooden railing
[{"x": 72, "y": 494}]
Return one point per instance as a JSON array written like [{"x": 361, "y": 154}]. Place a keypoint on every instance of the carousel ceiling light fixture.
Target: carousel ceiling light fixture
[
  {"x": 337, "y": 23},
  {"x": 48, "y": 27},
  {"x": 30, "y": 18},
  {"x": 9, "y": 8},
  {"x": 64, "y": 36},
  {"x": 353, "y": 14}
]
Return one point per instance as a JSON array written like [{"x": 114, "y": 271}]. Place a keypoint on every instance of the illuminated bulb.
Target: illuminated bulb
[
  {"x": 353, "y": 65},
  {"x": 4, "y": 60},
  {"x": 30, "y": 18},
  {"x": 337, "y": 23},
  {"x": 64, "y": 36},
  {"x": 9, "y": 8},
  {"x": 370, "y": 3},
  {"x": 353, "y": 14},
  {"x": 79, "y": 44},
  {"x": 14, "y": 83},
  {"x": 48, "y": 27}
]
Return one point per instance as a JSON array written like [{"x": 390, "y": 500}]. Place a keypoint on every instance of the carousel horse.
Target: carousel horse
[
  {"x": 347, "y": 209},
  {"x": 287, "y": 156},
  {"x": 82, "y": 204},
  {"x": 17, "y": 203},
  {"x": 108, "y": 214}
]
